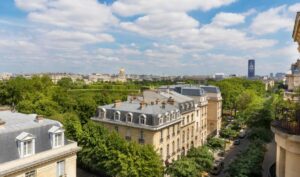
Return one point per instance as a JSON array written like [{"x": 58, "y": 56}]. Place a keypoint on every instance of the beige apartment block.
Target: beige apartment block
[{"x": 32, "y": 146}]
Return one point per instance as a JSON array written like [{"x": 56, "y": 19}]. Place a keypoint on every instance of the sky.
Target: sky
[{"x": 163, "y": 37}]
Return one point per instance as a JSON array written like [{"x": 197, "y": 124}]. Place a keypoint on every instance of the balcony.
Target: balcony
[
  {"x": 142, "y": 141},
  {"x": 287, "y": 120},
  {"x": 290, "y": 127}
]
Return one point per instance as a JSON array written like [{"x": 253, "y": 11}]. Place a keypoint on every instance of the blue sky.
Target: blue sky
[{"x": 174, "y": 37}]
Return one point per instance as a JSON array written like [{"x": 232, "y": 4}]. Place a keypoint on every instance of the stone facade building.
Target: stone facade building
[{"x": 32, "y": 146}]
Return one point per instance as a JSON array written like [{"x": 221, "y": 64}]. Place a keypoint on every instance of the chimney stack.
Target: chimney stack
[
  {"x": 163, "y": 105},
  {"x": 157, "y": 101},
  {"x": 2, "y": 123},
  {"x": 117, "y": 103},
  {"x": 39, "y": 118},
  {"x": 171, "y": 101},
  {"x": 142, "y": 105}
]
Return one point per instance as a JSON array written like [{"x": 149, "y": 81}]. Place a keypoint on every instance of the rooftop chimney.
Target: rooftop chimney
[
  {"x": 171, "y": 101},
  {"x": 142, "y": 104},
  {"x": 2, "y": 123},
  {"x": 157, "y": 101},
  {"x": 117, "y": 103},
  {"x": 39, "y": 118},
  {"x": 163, "y": 105}
]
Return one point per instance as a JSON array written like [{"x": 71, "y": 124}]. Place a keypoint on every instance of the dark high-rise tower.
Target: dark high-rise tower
[{"x": 251, "y": 68}]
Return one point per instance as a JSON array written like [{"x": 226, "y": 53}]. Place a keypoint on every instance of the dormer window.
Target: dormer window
[
  {"x": 142, "y": 119},
  {"x": 56, "y": 136},
  {"x": 102, "y": 113},
  {"x": 187, "y": 105},
  {"x": 167, "y": 117},
  {"x": 117, "y": 115},
  {"x": 160, "y": 119},
  {"x": 129, "y": 117},
  {"x": 26, "y": 144}
]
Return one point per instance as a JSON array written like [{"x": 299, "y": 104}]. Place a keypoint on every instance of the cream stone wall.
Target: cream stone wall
[
  {"x": 214, "y": 116},
  {"x": 49, "y": 169},
  {"x": 287, "y": 155}
]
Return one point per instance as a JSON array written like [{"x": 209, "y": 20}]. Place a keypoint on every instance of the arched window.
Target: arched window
[
  {"x": 129, "y": 117},
  {"x": 102, "y": 113},
  {"x": 187, "y": 105},
  {"x": 142, "y": 119},
  {"x": 160, "y": 119},
  {"x": 117, "y": 115}
]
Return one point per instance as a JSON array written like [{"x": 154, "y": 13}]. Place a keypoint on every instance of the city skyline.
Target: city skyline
[{"x": 151, "y": 37}]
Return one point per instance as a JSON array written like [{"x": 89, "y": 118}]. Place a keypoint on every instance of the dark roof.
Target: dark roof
[
  {"x": 211, "y": 89},
  {"x": 15, "y": 124}
]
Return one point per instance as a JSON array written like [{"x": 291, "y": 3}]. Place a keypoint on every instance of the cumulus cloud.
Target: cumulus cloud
[
  {"x": 133, "y": 7},
  {"x": 90, "y": 15},
  {"x": 228, "y": 19},
  {"x": 272, "y": 20}
]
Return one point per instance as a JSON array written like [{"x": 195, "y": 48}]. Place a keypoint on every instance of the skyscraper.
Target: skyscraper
[{"x": 251, "y": 68}]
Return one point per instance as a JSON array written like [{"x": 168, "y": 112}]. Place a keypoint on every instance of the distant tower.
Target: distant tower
[
  {"x": 251, "y": 68},
  {"x": 122, "y": 75}
]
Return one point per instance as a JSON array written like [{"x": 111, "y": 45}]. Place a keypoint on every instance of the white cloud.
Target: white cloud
[
  {"x": 294, "y": 8},
  {"x": 272, "y": 20},
  {"x": 72, "y": 14},
  {"x": 31, "y": 5},
  {"x": 162, "y": 24},
  {"x": 133, "y": 7},
  {"x": 228, "y": 19}
]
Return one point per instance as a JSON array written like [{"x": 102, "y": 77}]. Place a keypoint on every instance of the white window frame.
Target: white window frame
[
  {"x": 102, "y": 113},
  {"x": 22, "y": 141},
  {"x": 55, "y": 133},
  {"x": 129, "y": 115},
  {"x": 142, "y": 119},
  {"x": 117, "y": 115},
  {"x": 61, "y": 168}
]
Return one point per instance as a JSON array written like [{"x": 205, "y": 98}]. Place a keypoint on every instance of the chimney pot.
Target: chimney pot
[
  {"x": 39, "y": 118},
  {"x": 142, "y": 105},
  {"x": 117, "y": 103}
]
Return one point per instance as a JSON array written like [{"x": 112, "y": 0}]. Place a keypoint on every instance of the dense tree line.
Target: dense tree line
[{"x": 102, "y": 151}]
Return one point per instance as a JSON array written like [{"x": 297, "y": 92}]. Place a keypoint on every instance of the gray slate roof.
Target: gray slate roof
[{"x": 15, "y": 124}]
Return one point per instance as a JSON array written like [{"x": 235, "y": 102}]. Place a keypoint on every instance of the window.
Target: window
[
  {"x": 178, "y": 146},
  {"x": 168, "y": 130},
  {"x": 173, "y": 147},
  {"x": 57, "y": 136},
  {"x": 26, "y": 144},
  {"x": 117, "y": 115},
  {"x": 183, "y": 136},
  {"x": 141, "y": 134},
  {"x": 161, "y": 152},
  {"x": 197, "y": 127},
  {"x": 173, "y": 130},
  {"x": 183, "y": 119},
  {"x": 168, "y": 150},
  {"x": 197, "y": 113},
  {"x": 129, "y": 117},
  {"x": 142, "y": 119},
  {"x": 116, "y": 128},
  {"x": 192, "y": 117},
  {"x": 60, "y": 168},
  {"x": 188, "y": 119},
  {"x": 192, "y": 131},
  {"x": 188, "y": 134},
  {"x": 102, "y": 113},
  {"x": 58, "y": 139},
  {"x": 31, "y": 174}
]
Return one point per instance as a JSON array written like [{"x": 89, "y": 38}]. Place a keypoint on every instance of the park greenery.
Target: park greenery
[
  {"x": 73, "y": 103},
  {"x": 197, "y": 161}
]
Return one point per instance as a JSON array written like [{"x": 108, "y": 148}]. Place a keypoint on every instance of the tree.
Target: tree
[
  {"x": 216, "y": 143},
  {"x": 182, "y": 168},
  {"x": 65, "y": 82},
  {"x": 203, "y": 158}
]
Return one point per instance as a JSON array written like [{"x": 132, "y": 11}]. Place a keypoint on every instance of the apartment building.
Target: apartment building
[
  {"x": 287, "y": 131},
  {"x": 209, "y": 99},
  {"x": 33, "y": 146},
  {"x": 155, "y": 123}
]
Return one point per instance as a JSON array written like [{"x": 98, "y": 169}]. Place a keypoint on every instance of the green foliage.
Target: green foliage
[
  {"x": 261, "y": 133},
  {"x": 203, "y": 158},
  {"x": 216, "y": 143},
  {"x": 248, "y": 163},
  {"x": 73, "y": 103},
  {"x": 228, "y": 133},
  {"x": 184, "y": 167}
]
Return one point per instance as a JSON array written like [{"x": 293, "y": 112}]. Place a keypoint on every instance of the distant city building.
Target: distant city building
[
  {"x": 271, "y": 75},
  {"x": 293, "y": 79},
  {"x": 219, "y": 76},
  {"x": 251, "y": 68},
  {"x": 32, "y": 146}
]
